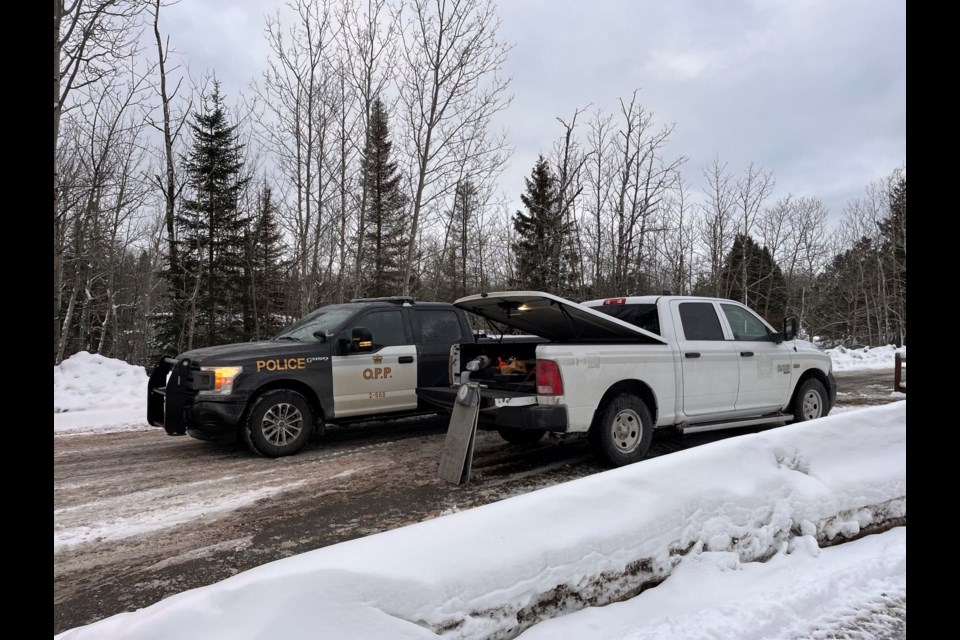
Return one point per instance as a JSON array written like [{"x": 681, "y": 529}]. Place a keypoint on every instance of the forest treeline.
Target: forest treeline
[{"x": 365, "y": 161}]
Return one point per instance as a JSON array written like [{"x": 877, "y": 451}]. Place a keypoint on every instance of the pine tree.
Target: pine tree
[
  {"x": 211, "y": 229},
  {"x": 766, "y": 286},
  {"x": 464, "y": 212},
  {"x": 893, "y": 238},
  {"x": 542, "y": 250},
  {"x": 265, "y": 295},
  {"x": 842, "y": 304},
  {"x": 385, "y": 235}
]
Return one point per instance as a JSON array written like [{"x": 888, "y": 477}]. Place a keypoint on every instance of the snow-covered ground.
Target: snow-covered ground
[
  {"x": 93, "y": 392},
  {"x": 865, "y": 358},
  {"x": 728, "y": 530}
]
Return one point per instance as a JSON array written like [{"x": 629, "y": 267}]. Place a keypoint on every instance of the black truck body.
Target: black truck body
[{"x": 346, "y": 362}]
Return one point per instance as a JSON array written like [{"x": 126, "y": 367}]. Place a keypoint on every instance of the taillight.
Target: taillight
[
  {"x": 615, "y": 301},
  {"x": 549, "y": 382}
]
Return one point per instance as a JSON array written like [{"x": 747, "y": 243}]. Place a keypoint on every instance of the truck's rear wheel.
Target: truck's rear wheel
[
  {"x": 520, "y": 436},
  {"x": 624, "y": 430},
  {"x": 280, "y": 423}
]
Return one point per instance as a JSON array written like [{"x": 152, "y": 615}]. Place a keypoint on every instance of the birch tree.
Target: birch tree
[
  {"x": 451, "y": 81},
  {"x": 292, "y": 93}
]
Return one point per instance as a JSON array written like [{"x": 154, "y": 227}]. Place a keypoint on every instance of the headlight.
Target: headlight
[{"x": 223, "y": 378}]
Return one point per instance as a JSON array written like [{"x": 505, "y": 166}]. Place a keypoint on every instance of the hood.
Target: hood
[
  {"x": 238, "y": 351},
  {"x": 805, "y": 346},
  {"x": 553, "y": 318}
]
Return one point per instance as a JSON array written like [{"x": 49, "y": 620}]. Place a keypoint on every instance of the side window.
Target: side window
[
  {"x": 700, "y": 321},
  {"x": 386, "y": 327},
  {"x": 439, "y": 326},
  {"x": 744, "y": 324}
]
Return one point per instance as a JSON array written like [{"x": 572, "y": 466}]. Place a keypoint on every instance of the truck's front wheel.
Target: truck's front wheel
[
  {"x": 624, "y": 430},
  {"x": 810, "y": 401},
  {"x": 280, "y": 423}
]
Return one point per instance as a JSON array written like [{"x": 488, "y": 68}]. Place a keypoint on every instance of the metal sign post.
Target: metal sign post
[{"x": 457, "y": 456}]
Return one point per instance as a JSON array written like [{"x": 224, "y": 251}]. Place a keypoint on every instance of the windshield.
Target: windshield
[{"x": 325, "y": 319}]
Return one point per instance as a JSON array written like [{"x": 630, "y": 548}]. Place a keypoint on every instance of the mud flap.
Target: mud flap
[{"x": 457, "y": 456}]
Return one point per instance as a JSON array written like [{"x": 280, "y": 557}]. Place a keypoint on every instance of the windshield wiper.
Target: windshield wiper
[{"x": 287, "y": 338}]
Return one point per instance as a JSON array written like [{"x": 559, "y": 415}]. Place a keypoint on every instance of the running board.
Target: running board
[{"x": 780, "y": 419}]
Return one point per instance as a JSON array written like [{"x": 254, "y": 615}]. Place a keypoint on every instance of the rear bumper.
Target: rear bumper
[
  {"x": 494, "y": 414},
  {"x": 533, "y": 417}
]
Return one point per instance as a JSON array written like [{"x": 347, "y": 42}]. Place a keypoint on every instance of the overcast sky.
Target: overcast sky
[{"x": 813, "y": 89}]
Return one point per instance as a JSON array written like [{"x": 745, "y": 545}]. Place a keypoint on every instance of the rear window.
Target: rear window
[
  {"x": 700, "y": 321},
  {"x": 439, "y": 326},
  {"x": 644, "y": 316}
]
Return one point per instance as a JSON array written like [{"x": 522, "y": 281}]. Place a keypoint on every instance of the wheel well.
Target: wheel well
[
  {"x": 635, "y": 387},
  {"x": 806, "y": 375},
  {"x": 293, "y": 385}
]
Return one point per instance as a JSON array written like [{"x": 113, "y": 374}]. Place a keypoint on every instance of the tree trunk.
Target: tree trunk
[{"x": 65, "y": 331}]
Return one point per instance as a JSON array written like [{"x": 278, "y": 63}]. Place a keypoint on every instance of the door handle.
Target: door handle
[
  {"x": 746, "y": 354},
  {"x": 406, "y": 359},
  {"x": 692, "y": 354}
]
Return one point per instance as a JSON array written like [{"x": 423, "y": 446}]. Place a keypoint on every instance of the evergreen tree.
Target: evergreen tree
[
  {"x": 766, "y": 286},
  {"x": 211, "y": 229},
  {"x": 543, "y": 247},
  {"x": 464, "y": 212},
  {"x": 893, "y": 238},
  {"x": 842, "y": 303},
  {"x": 385, "y": 234},
  {"x": 265, "y": 294}
]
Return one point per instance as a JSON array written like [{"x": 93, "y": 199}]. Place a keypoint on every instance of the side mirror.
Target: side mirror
[
  {"x": 789, "y": 328},
  {"x": 361, "y": 339},
  {"x": 321, "y": 335}
]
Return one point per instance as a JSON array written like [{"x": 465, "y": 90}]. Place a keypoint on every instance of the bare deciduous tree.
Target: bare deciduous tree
[
  {"x": 293, "y": 93},
  {"x": 90, "y": 40},
  {"x": 716, "y": 222},
  {"x": 752, "y": 189},
  {"x": 370, "y": 45},
  {"x": 451, "y": 83}
]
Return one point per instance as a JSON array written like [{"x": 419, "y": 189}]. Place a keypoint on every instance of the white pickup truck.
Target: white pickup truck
[{"x": 621, "y": 367}]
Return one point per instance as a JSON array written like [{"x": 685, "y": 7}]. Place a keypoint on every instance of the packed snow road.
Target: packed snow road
[{"x": 140, "y": 516}]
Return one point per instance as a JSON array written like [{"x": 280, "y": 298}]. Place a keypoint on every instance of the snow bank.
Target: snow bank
[
  {"x": 494, "y": 571},
  {"x": 92, "y": 391},
  {"x": 856, "y": 590},
  {"x": 866, "y": 358}
]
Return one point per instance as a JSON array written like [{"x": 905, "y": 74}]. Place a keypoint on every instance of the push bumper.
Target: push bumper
[{"x": 173, "y": 405}]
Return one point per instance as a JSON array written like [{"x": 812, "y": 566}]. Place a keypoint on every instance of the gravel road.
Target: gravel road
[{"x": 139, "y": 515}]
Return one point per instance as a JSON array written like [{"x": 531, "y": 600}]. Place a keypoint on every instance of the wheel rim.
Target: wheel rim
[
  {"x": 812, "y": 406},
  {"x": 627, "y": 431},
  {"x": 281, "y": 424}
]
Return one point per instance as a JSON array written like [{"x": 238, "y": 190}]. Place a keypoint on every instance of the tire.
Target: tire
[
  {"x": 623, "y": 431},
  {"x": 811, "y": 401},
  {"x": 280, "y": 424},
  {"x": 520, "y": 436}
]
